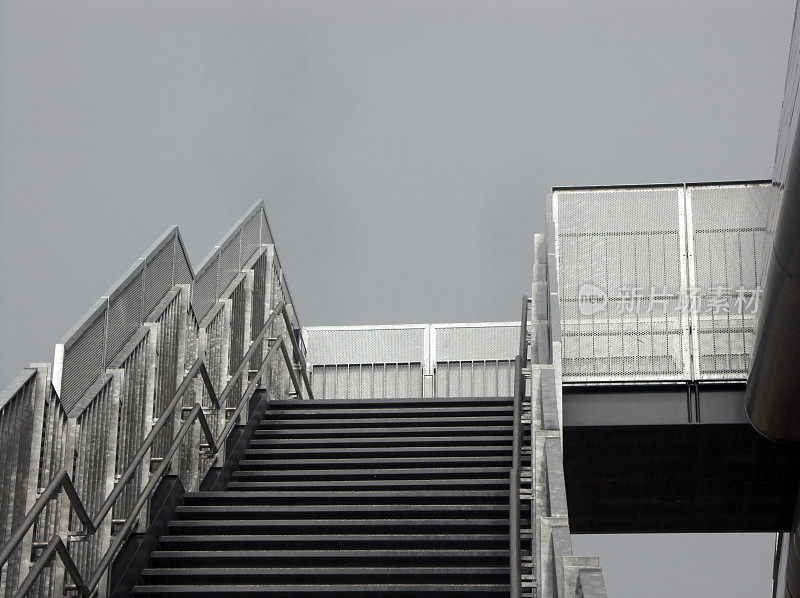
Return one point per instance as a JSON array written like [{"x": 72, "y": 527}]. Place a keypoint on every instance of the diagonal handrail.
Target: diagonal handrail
[
  {"x": 251, "y": 388},
  {"x": 296, "y": 348},
  {"x": 520, "y": 362},
  {"x": 55, "y": 546},
  {"x": 62, "y": 480},
  {"x": 198, "y": 366}
]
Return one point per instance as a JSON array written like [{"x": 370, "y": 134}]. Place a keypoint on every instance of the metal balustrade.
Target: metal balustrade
[
  {"x": 520, "y": 384},
  {"x": 659, "y": 283},
  {"x": 116, "y": 411}
]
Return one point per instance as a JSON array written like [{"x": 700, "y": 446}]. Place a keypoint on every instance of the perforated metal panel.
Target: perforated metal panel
[
  {"x": 229, "y": 264},
  {"x": 622, "y": 278},
  {"x": 125, "y": 315},
  {"x": 204, "y": 290},
  {"x": 91, "y": 345},
  {"x": 636, "y": 267},
  {"x": 394, "y": 361},
  {"x": 728, "y": 226},
  {"x": 474, "y": 360},
  {"x": 158, "y": 276},
  {"x": 83, "y": 361},
  {"x": 465, "y": 342},
  {"x": 251, "y": 241},
  {"x": 355, "y": 345}
]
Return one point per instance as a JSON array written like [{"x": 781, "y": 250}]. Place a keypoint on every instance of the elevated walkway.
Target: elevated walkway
[{"x": 181, "y": 442}]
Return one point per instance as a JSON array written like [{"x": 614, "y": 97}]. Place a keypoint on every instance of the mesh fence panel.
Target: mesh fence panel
[
  {"x": 229, "y": 264},
  {"x": 621, "y": 283},
  {"x": 365, "y": 345},
  {"x": 158, "y": 277},
  {"x": 637, "y": 267},
  {"x": 124, "y": 317},
  {"x": 83, "y": 361},
  {"x": 728, "y": 233},
  {"x": 367, "y": 381},
  {"x": 251, "y": 241},
  {"x": 204, "y": 291}
]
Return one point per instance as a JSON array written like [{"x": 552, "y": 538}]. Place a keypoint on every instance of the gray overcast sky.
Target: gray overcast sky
[{"x": 404, "y": 151}]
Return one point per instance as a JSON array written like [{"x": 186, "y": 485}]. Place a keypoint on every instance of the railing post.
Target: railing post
[
  {"x": 513, "y": 494},
  {"x": 151, "y": 356},
  {"x": 223, "y": 342},
  {"x": 42, "y": 387},
  {"x": 107, "y": 480},
  {"x": 249, "y": 286},
  {"x": 63, "y": 509},
  {"x": 191, "y": 343}
]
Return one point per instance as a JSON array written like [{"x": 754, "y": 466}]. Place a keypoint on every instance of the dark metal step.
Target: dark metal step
[
  {"x": 385, "y": 462},
  {"x": 343, "y": 485},
  {"x": 356, "y": 422},
  {"x": 388, "y": 451},
  {"x": 355, "y": 512},
  {"x": 336, "y": 526},
  {"x": 310, "y": 590},
  {"x": 391, "y": 412},
  {"x": 400, "y": 402},
  {"x": 386, "y": 432},
  {"x": 346, "y": 497},
  {"x": 399, "y": 441},
  {"x": 331, "y": 557},
  {"x": 416, "y": 473},
  {"x": 320, "y": 541},
  {"x": 331, "y": 575}
]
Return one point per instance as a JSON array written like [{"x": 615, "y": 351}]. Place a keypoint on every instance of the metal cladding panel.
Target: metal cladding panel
[
  {"x": 351, "y": 345},
  {"x": 728, "y": 226},
  {"x": 791, "y": 111},
  {"x": 618, "y": 249}
]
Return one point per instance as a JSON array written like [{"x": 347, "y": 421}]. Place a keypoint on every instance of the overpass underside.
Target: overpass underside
[{"x": 680, "y": 458}]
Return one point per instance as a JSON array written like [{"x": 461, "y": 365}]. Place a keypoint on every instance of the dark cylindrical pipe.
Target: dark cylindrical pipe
[{"x": 773, "y": 387}]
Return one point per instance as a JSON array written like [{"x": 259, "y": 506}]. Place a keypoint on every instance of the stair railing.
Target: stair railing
[
  {"x": 520, "y": 363},
  {"x": 62, "y": 480}
]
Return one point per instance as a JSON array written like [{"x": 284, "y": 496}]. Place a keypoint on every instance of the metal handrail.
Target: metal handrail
[
  {"x": 523, "y": 332},
  {"x": 296, "y": 348},
  {"x": 520, "y": 362},
  {"x": 198, "y": 366},
  {"x": 62, "y": 480},
  {"x": 56, "y": 543}
]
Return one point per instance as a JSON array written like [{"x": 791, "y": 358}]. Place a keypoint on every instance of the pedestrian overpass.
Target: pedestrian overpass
[{"x": 190, "y": 436}]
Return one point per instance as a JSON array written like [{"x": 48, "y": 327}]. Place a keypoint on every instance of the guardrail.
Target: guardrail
[
  {"x": 123, "y": 382},
  {"x": 520, "y": 382},
  {"x": 56, "y": 546}
]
